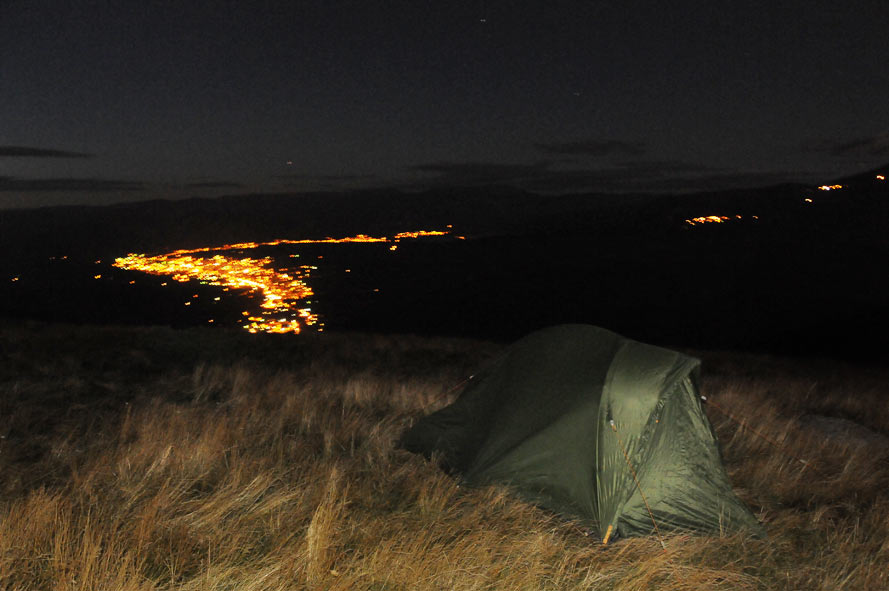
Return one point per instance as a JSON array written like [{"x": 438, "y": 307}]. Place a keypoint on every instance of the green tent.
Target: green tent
[{"x": 588, "y": 424}]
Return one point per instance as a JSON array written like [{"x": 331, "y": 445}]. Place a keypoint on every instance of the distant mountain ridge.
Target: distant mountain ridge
[
  {"x": 162, "y": 224},
  {"x": 788, "y": 266},
  {"x": 864, "y": 179}
]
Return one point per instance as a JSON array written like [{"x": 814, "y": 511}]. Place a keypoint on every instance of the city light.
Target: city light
[
  {"x": 715, "y": 219},
  {"x": 829, "y": 187},
  {"x": 285, "y": 292}
]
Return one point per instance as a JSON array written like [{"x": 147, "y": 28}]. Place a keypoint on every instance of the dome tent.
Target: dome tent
[{"x": 588, "y": 424}]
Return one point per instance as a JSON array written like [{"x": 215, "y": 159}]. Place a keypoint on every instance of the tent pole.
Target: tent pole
[{"x": 644, "y": 500}]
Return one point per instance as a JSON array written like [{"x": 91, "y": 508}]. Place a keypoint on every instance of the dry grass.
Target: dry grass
[{"x": 135, "y": 459}]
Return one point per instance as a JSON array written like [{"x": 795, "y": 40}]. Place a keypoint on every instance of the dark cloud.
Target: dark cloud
[
  {"x": 329, "y": 182},
  {"x": 593, "y": 148},
  {"x": 67, "y": 184},
  {"x": 475, "y": 173},
  {"x": 657, "y": 180},
  {"x": 330, "y": 178},
  {"x": 26, "y": 152},
  {"x": 642, "y": 176},
  {"x": 719, "y": 180},
  {"x": 663, "y": 168},
  {"x": 215, "y": 185},
  {"x": 876, "y": 146},
  {"x": 542, "y": 175}
]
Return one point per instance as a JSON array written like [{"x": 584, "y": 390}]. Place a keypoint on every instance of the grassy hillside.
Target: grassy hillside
[{"x": 159, "y": 459}]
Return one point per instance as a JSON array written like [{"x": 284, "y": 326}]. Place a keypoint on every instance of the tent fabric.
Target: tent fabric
[{"x": 568, "y": 414}]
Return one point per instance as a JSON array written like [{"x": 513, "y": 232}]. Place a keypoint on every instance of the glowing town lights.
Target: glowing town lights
[
  {"x": 829, "y": 187},
  {"x": 273, "y": 326},
  {"x": 716, "y": 219},
  {"x": 880, "y": 177},
  {"x": 97, "y": 276},
  {"x": 284, "y": 292},
  {"x": 14, "y": 279},
  {"x": 281, "y": 292},
  {"x": 713, "y": 219},
  {"x": 420, "y": 234},
  {"x": 807, "y": 200}
]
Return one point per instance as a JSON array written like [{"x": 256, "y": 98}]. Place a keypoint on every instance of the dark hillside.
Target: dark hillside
[{"x": 791, "y": 268}]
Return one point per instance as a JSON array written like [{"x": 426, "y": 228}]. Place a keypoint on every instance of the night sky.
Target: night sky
[{"x": 103, "y": 102}]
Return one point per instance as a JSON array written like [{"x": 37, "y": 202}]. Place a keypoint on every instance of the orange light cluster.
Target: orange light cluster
[
  {"x": 419, "y": 234},
  {"x": 282, "y": 292},
  {"x": 880, "y": 177},
  {"x": 715, "y": 219},
  {"x": 359, "y": 238},
  {"x": 829, "y": 187}
]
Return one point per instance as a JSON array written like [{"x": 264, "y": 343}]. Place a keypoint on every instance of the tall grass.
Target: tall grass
[{"x": 135, "y": 459}]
